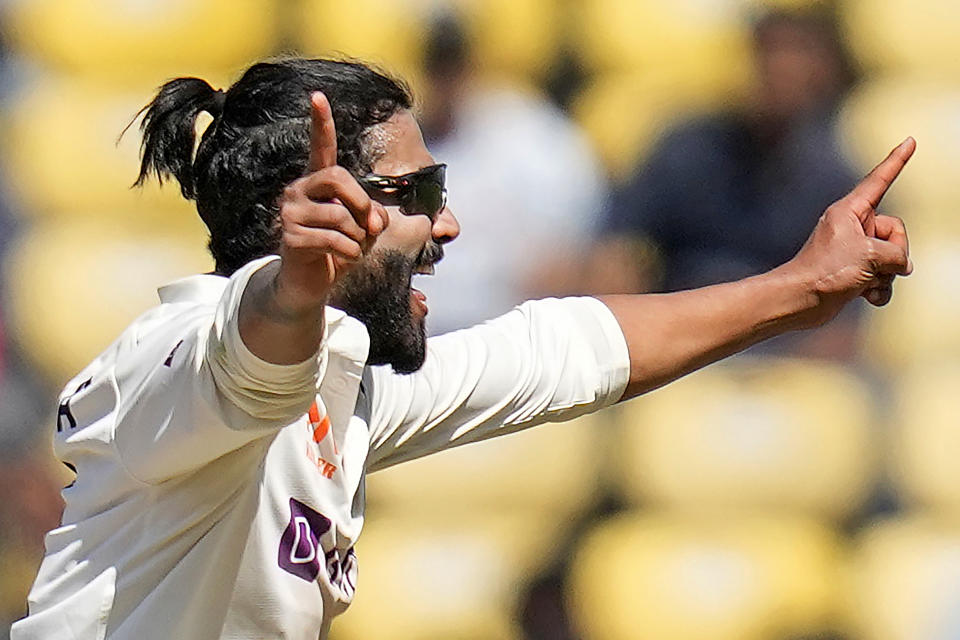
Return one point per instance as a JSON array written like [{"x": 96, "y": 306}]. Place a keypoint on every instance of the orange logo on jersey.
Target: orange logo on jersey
[
  {"x": 321, "y": 426},
  {"x": 321, "y": 429}
]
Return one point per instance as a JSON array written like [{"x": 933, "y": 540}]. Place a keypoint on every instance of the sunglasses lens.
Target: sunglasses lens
[
  {"x": 422, "y": 192},
  {"x": 427, "y": 195},
  {"x": 429, "y": 198}
]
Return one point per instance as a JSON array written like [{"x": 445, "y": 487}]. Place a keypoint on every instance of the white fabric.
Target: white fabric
[{"x": 204, "y": 504}]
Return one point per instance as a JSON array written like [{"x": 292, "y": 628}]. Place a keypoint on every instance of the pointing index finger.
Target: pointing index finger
[
  {"x": 323, "y": 134},
  {"x": 872, "y": 188}
]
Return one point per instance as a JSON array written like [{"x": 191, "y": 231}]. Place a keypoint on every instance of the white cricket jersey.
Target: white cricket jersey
[{"x": 220, "y": 496}]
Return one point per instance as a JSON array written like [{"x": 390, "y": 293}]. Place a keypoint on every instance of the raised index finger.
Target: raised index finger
[
  {"x": 872, "y": 188},
  {"x": 323, "y": 134}
]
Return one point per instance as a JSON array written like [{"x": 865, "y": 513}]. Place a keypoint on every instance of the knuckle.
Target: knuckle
[
  {"x": 291, "y": 192},
  {"x": 338, "y": 174},
  {"x": 292, "y": 240},
  {"x": 291, "y": 213},
  {"x": 859, "y": 204}
]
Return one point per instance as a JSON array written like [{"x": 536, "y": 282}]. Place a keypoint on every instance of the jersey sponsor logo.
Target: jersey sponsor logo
[
  {"x": 320, "y": 426},
  {"x": 301, "y": 550},
  {"x": 320, "y": 430},
  {"x": 324, "y": 467}
]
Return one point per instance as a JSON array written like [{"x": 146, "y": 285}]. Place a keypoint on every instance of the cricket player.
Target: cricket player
[{"x": 220, "y": 444}]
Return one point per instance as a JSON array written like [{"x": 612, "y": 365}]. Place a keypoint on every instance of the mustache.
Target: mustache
[{"x": 431, "y": 253}]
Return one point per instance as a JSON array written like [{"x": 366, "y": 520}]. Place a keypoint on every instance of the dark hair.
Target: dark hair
[
  {"x": 446, "y": 49},
  {"x": 822, "y": 21},
  {"x": 259, "y": 142}
]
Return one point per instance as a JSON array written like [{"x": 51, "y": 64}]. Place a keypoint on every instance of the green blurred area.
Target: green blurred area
[{"x": 764, "y": 499}]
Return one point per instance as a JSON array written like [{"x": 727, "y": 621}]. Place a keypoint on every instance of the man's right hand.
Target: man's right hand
[
  {"x": 328, "y": 223},
  {"x": 328, "y": 220}
]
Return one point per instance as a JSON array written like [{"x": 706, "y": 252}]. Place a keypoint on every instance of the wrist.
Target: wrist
[
  {"x": 802, "y": 302},
  {"x": 295, "y": 299}
]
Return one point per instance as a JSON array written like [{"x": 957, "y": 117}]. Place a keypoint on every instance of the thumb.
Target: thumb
[
  {"x": 378, "y": 219},
  {"x": 881, "y": 293}
]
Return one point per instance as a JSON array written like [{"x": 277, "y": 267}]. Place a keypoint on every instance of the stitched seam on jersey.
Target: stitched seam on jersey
[{"x": 113, "y": 430}]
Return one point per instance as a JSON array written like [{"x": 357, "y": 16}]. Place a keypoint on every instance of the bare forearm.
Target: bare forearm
[
  {"x": 327, "y": 224},
  {"x": 670, "y": 335},
  {"x": 276, "y": 324}
]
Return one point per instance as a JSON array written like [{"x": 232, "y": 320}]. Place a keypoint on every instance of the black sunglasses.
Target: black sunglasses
[{"x": 421, "y": 192}]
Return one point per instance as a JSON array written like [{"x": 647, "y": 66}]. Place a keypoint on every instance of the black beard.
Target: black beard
[{"x": 377, "y": 293}]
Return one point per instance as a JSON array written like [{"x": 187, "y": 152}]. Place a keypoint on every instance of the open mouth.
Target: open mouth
[{"x": 426, "y": 266}]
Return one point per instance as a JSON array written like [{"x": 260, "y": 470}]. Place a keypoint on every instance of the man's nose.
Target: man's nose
[{"x": 446, "y": 227}]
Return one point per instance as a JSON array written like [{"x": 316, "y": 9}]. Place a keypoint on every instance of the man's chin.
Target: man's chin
[
  {"x": 403, "y": 358},
  {"x": 378, "y": 294}
]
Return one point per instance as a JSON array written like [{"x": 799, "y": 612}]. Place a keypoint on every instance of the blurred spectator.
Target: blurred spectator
[
  {"x": 523, "y": 182},
  {"x": 29, "y": 500},
  {"x": 22, "y": 399},
  {"x": 736, "y": 193}
]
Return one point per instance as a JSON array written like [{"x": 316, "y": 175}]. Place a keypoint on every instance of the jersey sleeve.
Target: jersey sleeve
[
  {"x": 548, "y": 360},
  {"x": 189, "y": 390}
]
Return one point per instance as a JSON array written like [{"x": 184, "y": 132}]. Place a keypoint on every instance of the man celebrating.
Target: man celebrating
[{"x": 221, "y": 443}]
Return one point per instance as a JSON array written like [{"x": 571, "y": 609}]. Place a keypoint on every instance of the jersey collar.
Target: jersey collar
[
  {"x": 209, "y": 288},
  {"x": 199, "y": 288}
]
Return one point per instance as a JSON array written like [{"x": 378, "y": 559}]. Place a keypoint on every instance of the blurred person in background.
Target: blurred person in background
[
  {"x": 30, "y": 503},
  {"x": 734, "y": 193},
  {"x": 516, "y": 162}
]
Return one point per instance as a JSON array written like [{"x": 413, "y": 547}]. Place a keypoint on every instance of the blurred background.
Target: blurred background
[{"x": 807, "y": 489}]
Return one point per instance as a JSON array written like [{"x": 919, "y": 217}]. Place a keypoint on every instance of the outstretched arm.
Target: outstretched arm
[{"x": 852, "y": 252}]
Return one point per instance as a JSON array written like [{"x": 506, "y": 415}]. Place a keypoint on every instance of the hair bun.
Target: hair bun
[
  {"x": 217, "y": 100},
  {"x": 168, "y": 130}
]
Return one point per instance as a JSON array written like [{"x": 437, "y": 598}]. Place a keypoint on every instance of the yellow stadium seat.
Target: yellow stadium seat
[
  {"x": 919, "y": 327},
  {"x": 905, "y": 36},
  {"x": 72, "y": 286},
  {"x": 552, "y": 468},
  {"x": 61, "y": 150},
  {"x": 123, "y": 41},
  {"x": 443, "y": 577},
  {"x": 660, "y": 577},
  {"x": 925, "y": 445},
  {"x": 624, "y": 114},
  {"x": 519, "y": 39},
  {"x": 906, "y": 581},
  {"x": 386, "y": 33},
  {"x": 751, "y": 435},
  {"x": 880, "y": 114},
  {"x": 516, "y": 38},
  {"x": 689, "y": 39}
]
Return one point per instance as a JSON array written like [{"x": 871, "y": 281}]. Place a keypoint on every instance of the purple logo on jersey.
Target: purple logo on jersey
[{"x": 300, "y": 550}]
